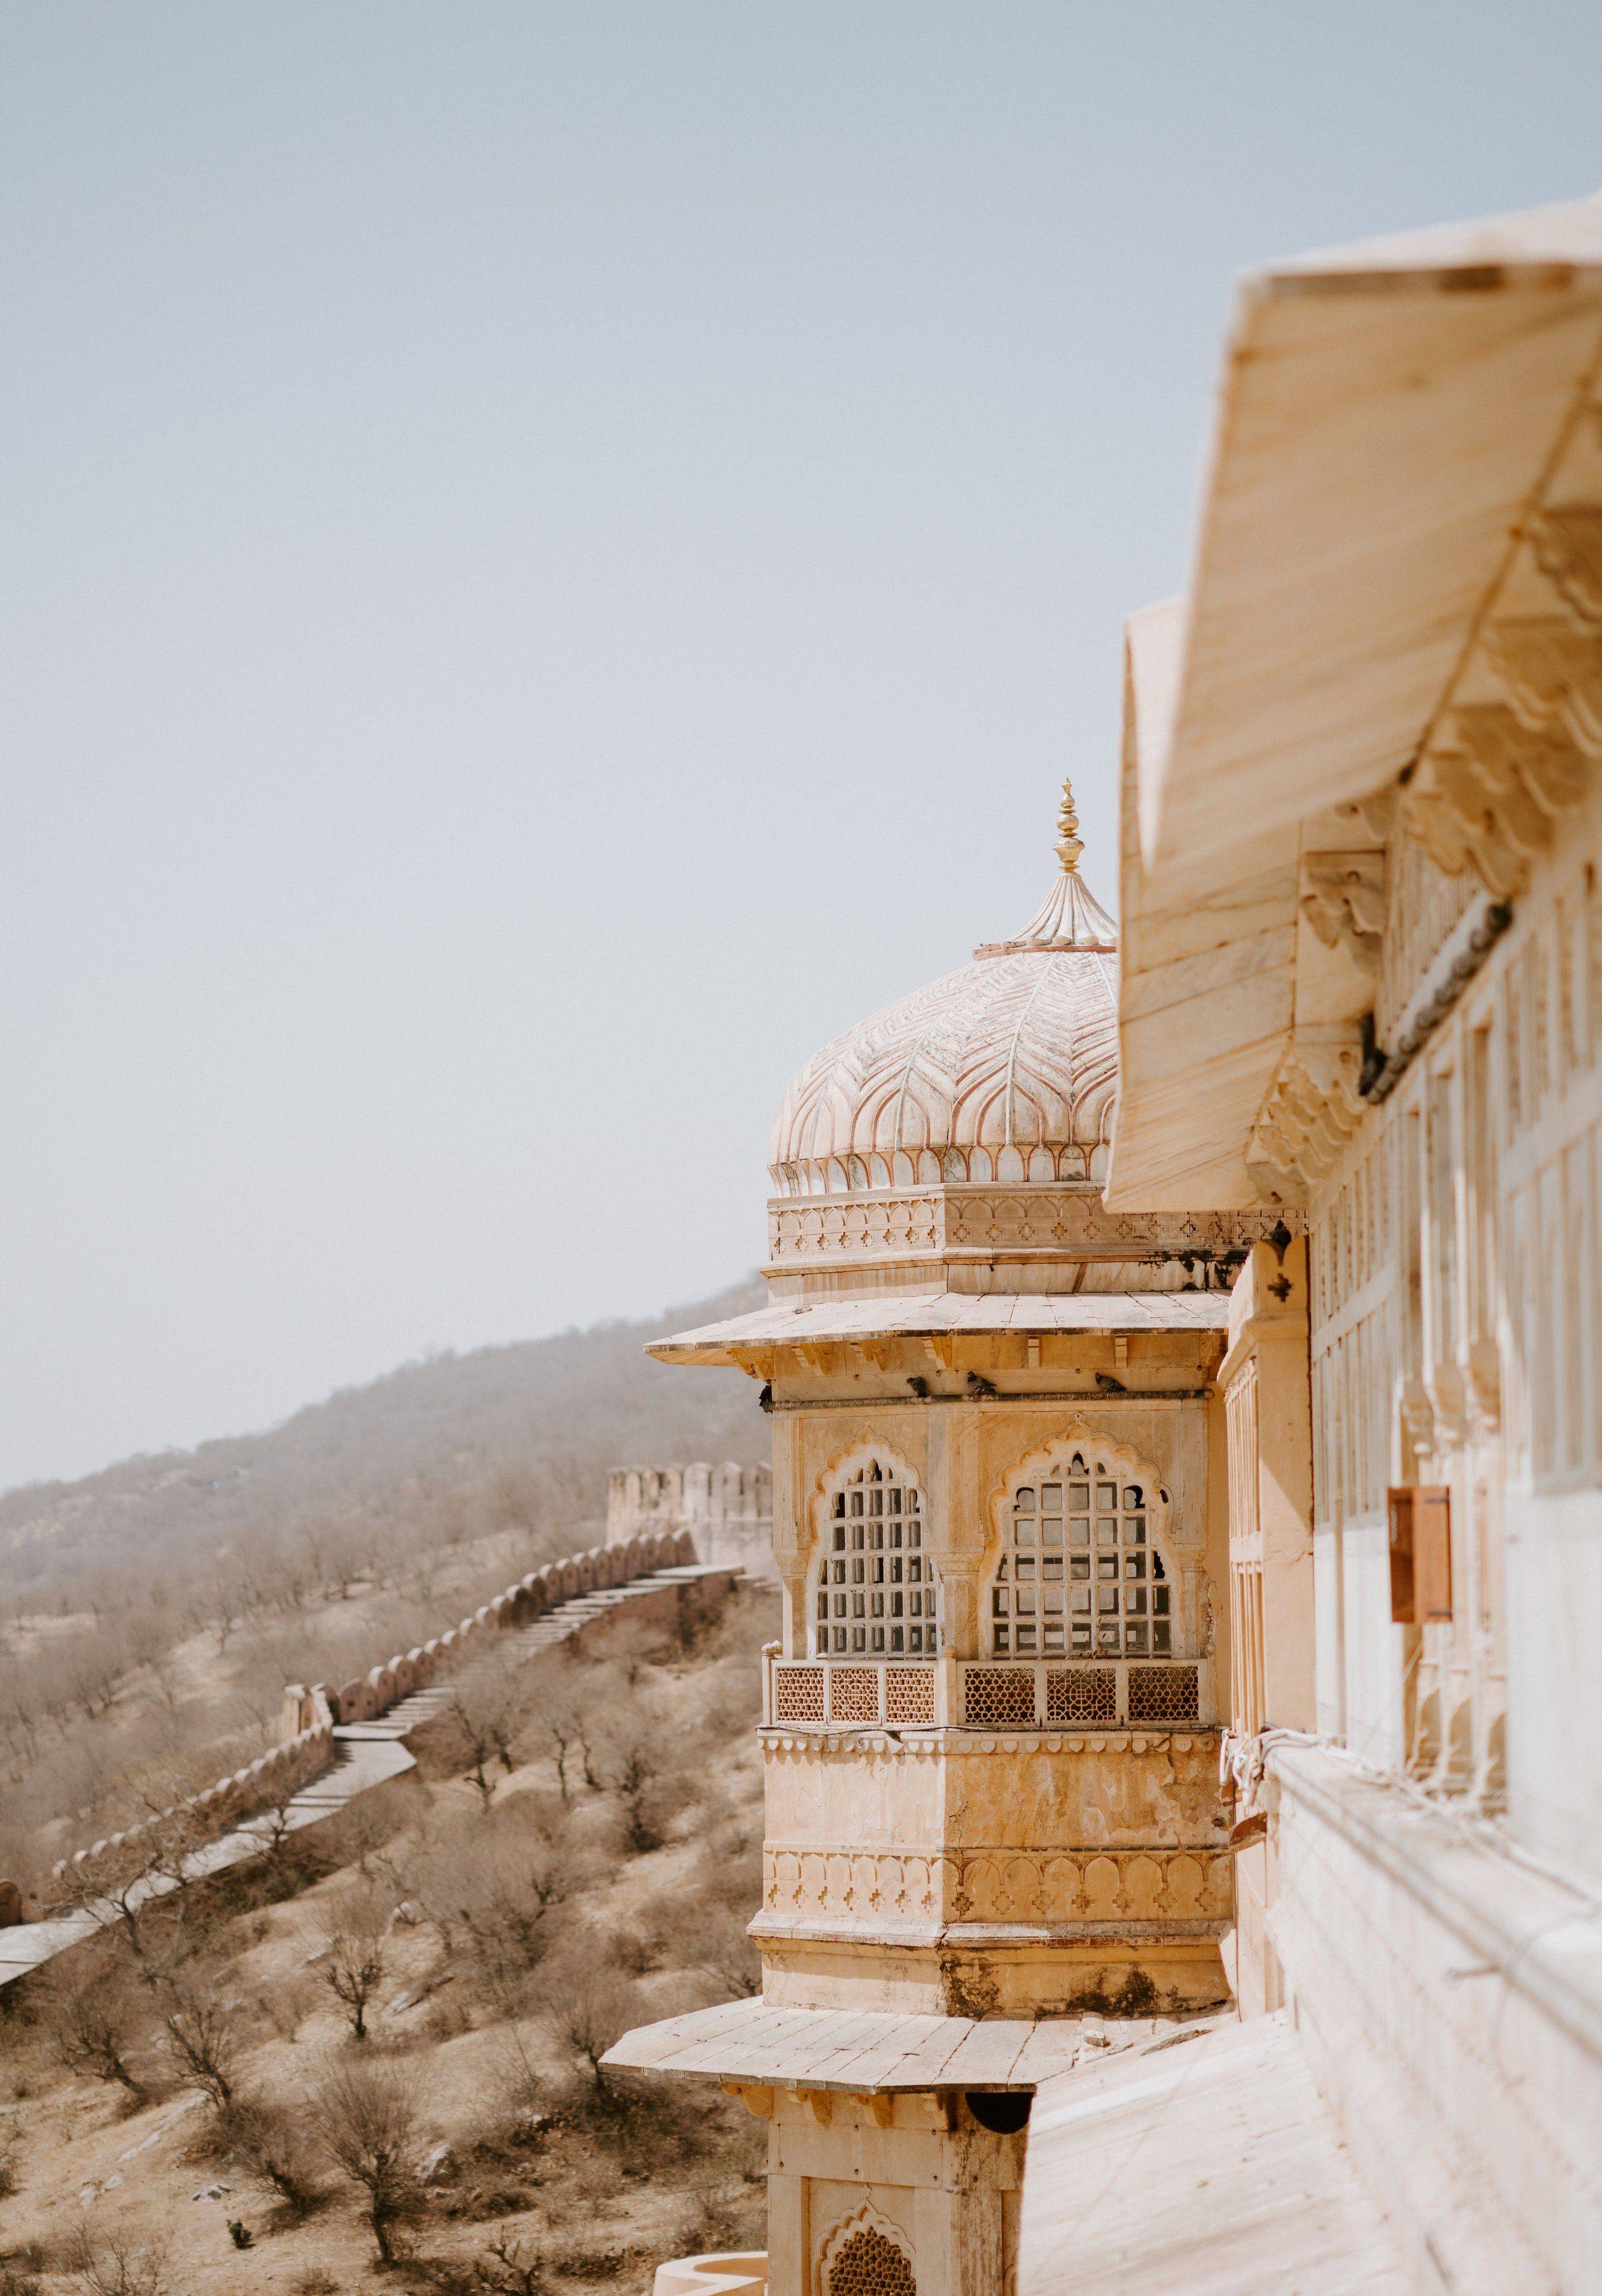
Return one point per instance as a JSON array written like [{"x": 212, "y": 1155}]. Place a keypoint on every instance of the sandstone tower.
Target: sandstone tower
[{"x": 999, "y": 1524}]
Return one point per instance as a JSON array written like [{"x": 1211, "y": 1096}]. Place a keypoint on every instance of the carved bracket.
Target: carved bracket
[
  {"x": 1501, "y": 769},
  {"x": 1342, "y": 897},
  {"x": 1311, "y": 1109}
]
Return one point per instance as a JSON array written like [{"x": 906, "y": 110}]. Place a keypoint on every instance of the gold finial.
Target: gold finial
[{"x": 1070, "y": 844}]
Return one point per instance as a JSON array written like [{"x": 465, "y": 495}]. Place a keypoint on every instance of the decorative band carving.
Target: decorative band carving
[
  {"x": 1063, "y": 1219},
  {"x": 1000, "y": 1885}
]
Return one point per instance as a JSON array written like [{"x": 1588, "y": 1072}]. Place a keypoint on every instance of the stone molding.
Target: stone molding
[
  {"x": 933, "y": 1223},
  {"x": 875, "y": 1739},
  {"x": 1075, "y": 1884}
]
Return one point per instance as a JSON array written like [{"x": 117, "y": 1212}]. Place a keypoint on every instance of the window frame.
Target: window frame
[
  {"x": 883, "y": 1593},
  {"x": 1037, "y": 1603}
]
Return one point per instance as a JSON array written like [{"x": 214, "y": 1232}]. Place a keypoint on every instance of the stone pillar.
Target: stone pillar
[
  {"x": 959, "y": 2248},
  {"x": 789, "y": 2237}
]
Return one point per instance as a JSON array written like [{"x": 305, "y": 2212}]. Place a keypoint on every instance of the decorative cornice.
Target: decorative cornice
[
  {"x": 1093, "y": 1885},
  {"x": 930, "y": 1225},
  {"x": 874, "y": 1738}
]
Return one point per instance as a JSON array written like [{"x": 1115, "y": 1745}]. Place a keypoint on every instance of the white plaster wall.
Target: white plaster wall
[
  {"x": 1373, "y": 1660},
  {"x": 1453, "y": 2002},
  {"x": 1554, "y": 1568}
]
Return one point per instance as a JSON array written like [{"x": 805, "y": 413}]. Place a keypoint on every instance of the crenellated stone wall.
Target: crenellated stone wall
[
  {"x": 310, "y": 1715},
  {"x": 728, "y": 1510}
]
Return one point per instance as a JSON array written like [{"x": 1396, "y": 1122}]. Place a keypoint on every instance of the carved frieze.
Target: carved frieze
[
  {"x": 1063, "y": 1220},
  {"x": 1090, "y": 1885}
]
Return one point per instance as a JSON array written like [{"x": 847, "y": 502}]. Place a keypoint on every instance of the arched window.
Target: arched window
[
  {"x": 1079, "y": 1574},
  {"x": 875, "y": 1595}
]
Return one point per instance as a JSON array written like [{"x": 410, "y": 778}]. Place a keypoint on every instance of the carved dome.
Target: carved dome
[{"x": 1006, "y": 1071}]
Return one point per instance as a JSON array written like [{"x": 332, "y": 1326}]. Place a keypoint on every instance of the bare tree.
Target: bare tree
[
  {"x": 116, "y": 2261},
  {"x": 365, "y": 2116},
  {"x": 478, "y": 1727},
  {"x": 269, "y": 2142},
  {"x": 353, "y": 1967},
  {"x": 559, "y": 1717},
  {"x": 202, "y": 2038},
  {"x": 93, "y": 2029},
  {"x": 590, "y": 2008}
]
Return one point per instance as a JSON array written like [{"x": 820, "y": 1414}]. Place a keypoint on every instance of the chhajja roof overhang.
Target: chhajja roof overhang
[
  {"x": 745, "y": 1340},
  {"x": 1401, "y": 534}
]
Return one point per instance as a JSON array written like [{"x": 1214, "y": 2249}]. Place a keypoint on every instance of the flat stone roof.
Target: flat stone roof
[
  {"x": 765, "y": 2047},
  {"x": 1206, "y": 2162},
  {"x": 819, "y": 1322}
]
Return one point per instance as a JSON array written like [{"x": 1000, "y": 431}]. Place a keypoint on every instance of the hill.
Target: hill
[
  {"x": 154, "y": 1612},
  {"x": 533, "y": 1426}
]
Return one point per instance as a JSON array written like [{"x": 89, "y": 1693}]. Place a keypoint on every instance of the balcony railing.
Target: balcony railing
[{"x": 984, "y": 1695}]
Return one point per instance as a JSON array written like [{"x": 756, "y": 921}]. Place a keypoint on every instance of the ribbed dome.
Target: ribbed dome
[{"x": 1004, "y": 1070}]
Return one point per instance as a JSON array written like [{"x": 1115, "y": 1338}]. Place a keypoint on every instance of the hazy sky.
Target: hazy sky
[{"x": 555, "y": 558}]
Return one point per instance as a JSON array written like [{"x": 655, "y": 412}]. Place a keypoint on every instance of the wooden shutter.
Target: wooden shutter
[{"x": 1420, "y": 1520}]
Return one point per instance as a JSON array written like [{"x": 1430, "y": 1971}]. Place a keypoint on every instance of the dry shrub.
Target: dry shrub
[
  {"x": 496, "y": 1888},
  {"x": 116, "y": 2261},
  {"x": 354, "y": 1965},
  {"x": 702, "y": 1934},
  {"x": 365, "y": 2117},
  {"x": 590, "y": 2005},
  {"x": 478, "y": 1729},
  {"x": 201, "y": 2032},
  {"x": 269, "y": 2142},
  {"x": 98, "y": 2020}
]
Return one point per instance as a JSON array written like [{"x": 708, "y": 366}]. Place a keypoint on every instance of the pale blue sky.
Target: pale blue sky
[{"x": 556, "y": 556}]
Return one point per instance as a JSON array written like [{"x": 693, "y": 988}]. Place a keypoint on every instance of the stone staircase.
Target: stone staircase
[
  {"x": 367, "y": 1755},
  {"x": 557, "y": 1625}
]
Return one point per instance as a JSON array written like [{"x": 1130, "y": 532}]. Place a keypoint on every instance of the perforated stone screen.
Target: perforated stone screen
[
  {"x": 999, "y": 1697},
  {"x": 853, "y": 1694},
  {"x": 867, "y": 2264},
  {"x": 798, "y": 1694},
  {"x": 876, "y": 1593},
  {"x": 1080, "y": 1576},
  {"x": 909, "y": 1694},
  {"x": 1082, "y": 1693},
  {"x": 1163, "y": 1693}
]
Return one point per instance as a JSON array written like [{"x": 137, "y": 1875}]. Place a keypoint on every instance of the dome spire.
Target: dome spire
[
  {"x": 1070, "y": 844},
  {"x": 1070, "y": 916}
]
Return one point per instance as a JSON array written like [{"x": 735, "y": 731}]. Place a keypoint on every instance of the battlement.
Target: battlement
[{"x": 726, "y": 1510}]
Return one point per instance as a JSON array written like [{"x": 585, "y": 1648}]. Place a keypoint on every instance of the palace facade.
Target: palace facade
[{"x": 1184, "y": 1856}]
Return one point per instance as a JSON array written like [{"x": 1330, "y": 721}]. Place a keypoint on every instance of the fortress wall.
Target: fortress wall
[
  {"x": 310, "y": 1714},
  {"x": 727, "y": 1511}
]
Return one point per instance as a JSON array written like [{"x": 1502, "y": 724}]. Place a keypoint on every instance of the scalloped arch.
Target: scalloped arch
[
  {"x": 838, "y": 1469},
  {"x": 1131, "y": 1468},
  {"x": 841, "y": 1468}
]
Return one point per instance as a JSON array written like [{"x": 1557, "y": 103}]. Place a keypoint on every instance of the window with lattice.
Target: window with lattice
[
  {"x": 869, "y": 2264},
  {"x": 1080, "y": 1575},
  {"x": 876, "y": 1595}
]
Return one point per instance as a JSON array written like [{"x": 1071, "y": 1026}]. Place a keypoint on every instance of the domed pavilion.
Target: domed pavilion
[{"x": 990, "y": 1730}]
